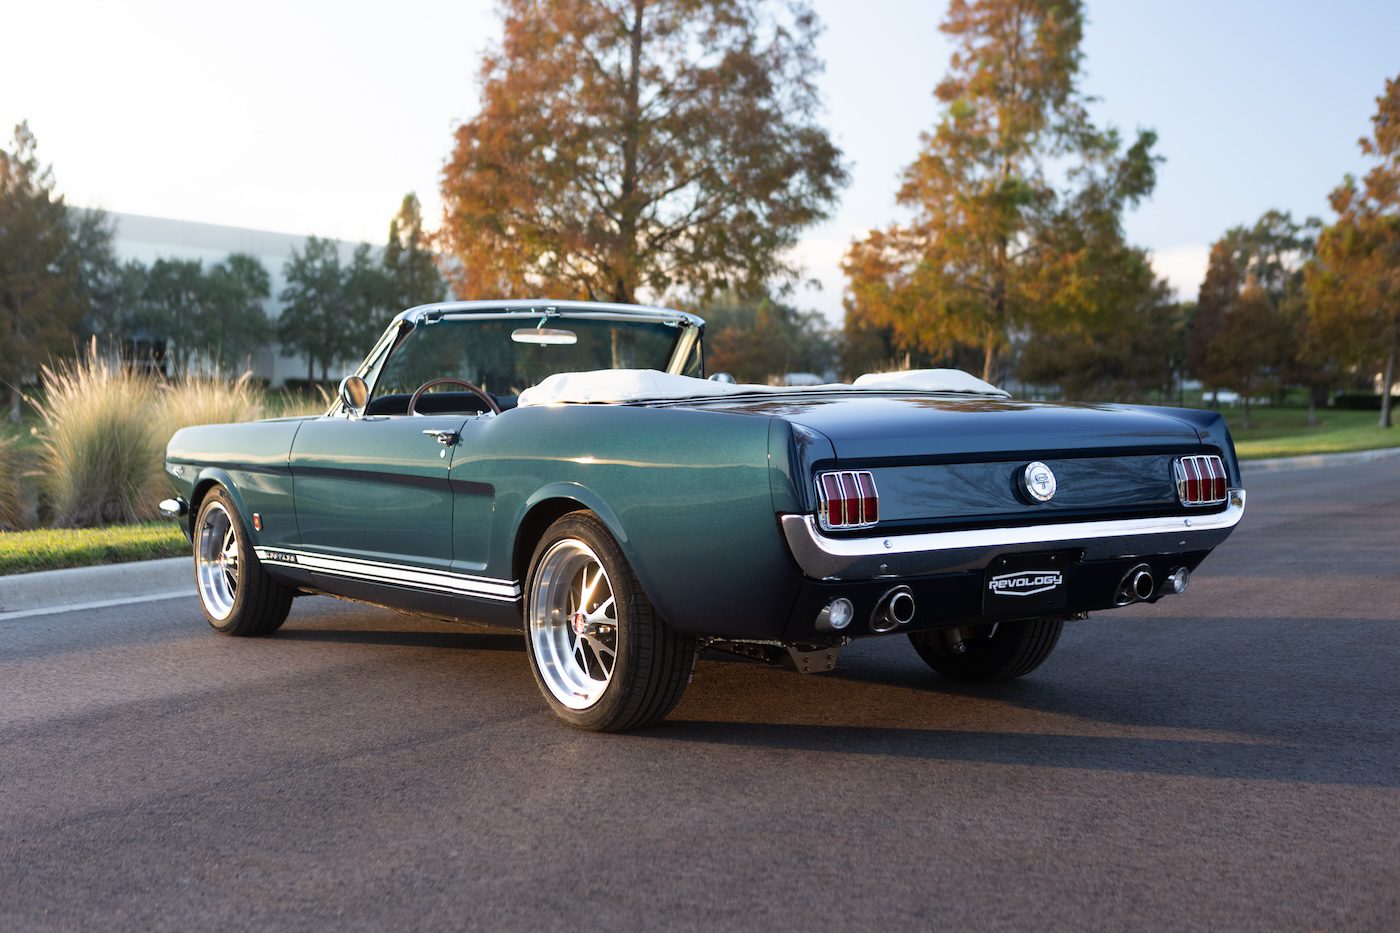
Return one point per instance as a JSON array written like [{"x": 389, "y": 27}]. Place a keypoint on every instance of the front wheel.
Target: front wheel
[
  {"x": 237, "y": 595},
  {"x": 995, "y": 651},
  {"x": 602, "y": 657}
]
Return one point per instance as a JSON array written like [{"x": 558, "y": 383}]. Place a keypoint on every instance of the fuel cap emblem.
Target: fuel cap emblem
[{"x": 1038, "y": 481}]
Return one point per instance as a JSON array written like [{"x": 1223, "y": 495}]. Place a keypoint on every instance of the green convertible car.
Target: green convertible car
[{"x": 566, "y": 468}]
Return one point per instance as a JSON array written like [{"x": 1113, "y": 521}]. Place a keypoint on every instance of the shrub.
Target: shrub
[
  {"x": 100, "y": 455},
  {"x": 205, "y": 400},
  {"x": 1362, "y": 401},
  {"x": 11, "y": 494}
]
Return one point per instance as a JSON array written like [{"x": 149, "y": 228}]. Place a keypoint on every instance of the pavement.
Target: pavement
[{"x": 1228, "y": 759}]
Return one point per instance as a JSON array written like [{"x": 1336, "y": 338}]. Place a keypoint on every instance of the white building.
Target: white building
[{"x": 146, "y": 239}]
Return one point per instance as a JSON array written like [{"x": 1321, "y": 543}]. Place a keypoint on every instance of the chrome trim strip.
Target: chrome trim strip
[
  {"x": 827, "y": 558},
  {"x": 398, "y": 574}
]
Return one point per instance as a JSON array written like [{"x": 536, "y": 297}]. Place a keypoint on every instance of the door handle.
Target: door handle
[{"x": 445, "y": 438}]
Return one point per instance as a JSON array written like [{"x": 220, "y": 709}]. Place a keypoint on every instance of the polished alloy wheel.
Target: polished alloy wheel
[
  {"x": 216, "y": 561},
  {"x": 573, "y": 623}
]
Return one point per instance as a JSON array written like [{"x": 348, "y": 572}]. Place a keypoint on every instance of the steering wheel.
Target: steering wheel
[{"x": 471, "y": 387}]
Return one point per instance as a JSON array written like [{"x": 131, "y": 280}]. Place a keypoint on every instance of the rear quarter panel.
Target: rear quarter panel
[{"x": 685, "y": 493}]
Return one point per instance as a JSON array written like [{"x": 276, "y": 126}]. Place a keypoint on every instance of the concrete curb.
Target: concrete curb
[
  {"x": 81, "y": 586},
  {"x": 1313, "y": 461}
]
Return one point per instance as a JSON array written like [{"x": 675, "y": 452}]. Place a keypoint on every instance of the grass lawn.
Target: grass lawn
[
  {"x": 52, "y": 548},
  {"x": 1284, "y": 432}
]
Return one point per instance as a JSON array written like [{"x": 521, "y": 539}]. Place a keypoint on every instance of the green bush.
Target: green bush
[{"x": 1362, "y": 401}]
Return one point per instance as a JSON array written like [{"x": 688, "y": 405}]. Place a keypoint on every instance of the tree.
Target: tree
[
  {"x": 47, "y": 261},
  {"x": 1354, "y": 286},
  {"x": 312, "y": 321},
  {"x": 1002, "y": 243},
  {"x": 409, "y": 261},
  {"x": 174, "y": 303},
  {"x": 754, "y": 340},
  {"x": 640, "y": 146},
  {"x": 1245, "y": 334},
  {"x": 235, "y": 322},
  {"x": 369, "y": 296}
]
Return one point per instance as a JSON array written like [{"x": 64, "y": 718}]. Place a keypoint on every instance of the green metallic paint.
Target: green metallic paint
[
  {"x": 250, "y": 460},
  {"x": 376, "y": 488},
  {"x": 685, "y": 493}
]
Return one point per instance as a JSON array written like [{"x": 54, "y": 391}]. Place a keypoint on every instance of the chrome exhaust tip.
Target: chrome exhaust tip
[
  {"x": 1176, "y": 582},
  {"x": 1137, "y": 584},
  {"x": 894, "y": 609}
]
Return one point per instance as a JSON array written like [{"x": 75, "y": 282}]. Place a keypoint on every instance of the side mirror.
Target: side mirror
[
  {"x": 354, "y": 395},
  {"x": 724, "y": 378}
]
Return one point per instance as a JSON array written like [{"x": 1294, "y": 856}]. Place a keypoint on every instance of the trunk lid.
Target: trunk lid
[{"x": 942, "y": 461}]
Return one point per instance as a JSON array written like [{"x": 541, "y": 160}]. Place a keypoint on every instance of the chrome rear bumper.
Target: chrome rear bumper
[{"x": 824, "y": 558}]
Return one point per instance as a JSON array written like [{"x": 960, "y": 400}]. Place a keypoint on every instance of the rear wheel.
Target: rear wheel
[
  {"x": 995, "y": 651},
  {"x": 602, "y": 658},
  {"x": 238, "y": 597}
]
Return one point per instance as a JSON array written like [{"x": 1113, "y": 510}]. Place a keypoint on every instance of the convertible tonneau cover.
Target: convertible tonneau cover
[{"x": 641, "y": 385}]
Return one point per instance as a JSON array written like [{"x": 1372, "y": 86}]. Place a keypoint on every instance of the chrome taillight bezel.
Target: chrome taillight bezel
[
  {"x": 866, "y": 502},
  {"x": 1207, "y": 473}
]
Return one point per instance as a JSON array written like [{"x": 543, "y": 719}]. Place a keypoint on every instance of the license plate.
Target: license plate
[{"x": 1029, "y": 583}]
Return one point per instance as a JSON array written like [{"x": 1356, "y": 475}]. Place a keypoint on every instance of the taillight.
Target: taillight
[
  {"x": 847, "y": 499},
  {"x": 1201, "y": 480}
]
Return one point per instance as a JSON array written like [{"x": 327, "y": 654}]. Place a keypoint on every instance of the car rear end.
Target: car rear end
[{"x": 914, "y": 513}]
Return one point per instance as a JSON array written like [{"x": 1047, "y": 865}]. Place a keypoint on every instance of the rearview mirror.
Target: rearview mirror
[
  {"x": 354, "y": 395},
  {"x": 544, "y": 336}
]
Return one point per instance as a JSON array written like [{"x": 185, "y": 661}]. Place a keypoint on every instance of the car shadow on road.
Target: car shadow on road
[
  {"x": 406, "y": 638},
  {"x": 1167, "y": 757}
]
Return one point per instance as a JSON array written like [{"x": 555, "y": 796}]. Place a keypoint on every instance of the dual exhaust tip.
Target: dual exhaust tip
[
  {"x": 1139, "y": 585},
  {"x": 894, "y": 609}
]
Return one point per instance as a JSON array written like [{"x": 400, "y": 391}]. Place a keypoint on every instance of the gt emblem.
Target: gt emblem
[{"x": 1038, "y": 481}]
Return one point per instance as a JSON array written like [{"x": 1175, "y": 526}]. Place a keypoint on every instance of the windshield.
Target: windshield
[{"x": 484, "y": 352}]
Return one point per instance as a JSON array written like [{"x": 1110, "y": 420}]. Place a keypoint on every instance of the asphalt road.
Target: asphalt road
[{"x": 1225, "y": 760}]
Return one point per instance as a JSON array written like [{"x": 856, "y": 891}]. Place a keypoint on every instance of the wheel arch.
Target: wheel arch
[
  {"x": 547, "y": 506},
  {"x": 208, "y": 479}
]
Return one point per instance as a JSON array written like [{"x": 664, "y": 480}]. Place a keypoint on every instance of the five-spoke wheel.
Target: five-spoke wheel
[
  {"x": 237, "y": 594},
  {"x": 603, "y": 658},
  {"x": 573, "y": 623},
  {"x": 216, "y": 561}
]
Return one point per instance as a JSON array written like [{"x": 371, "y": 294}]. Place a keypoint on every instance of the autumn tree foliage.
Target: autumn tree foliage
[
  {"x": 629, "y": 147},
  {"x": 755, "y": 339},
  {"x": 1248, "y": 330},
  {"x": 1354, "y": 286},
  {"x": 1016, "y": 197}
]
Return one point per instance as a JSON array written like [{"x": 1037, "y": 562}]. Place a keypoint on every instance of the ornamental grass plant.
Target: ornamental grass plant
[
  {"x": 104, "y": 429},
  {"x": 12, "y": 467},
  {"x": 99, "y": 453}
]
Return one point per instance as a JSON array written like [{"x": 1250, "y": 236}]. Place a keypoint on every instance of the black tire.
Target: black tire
[
  {"x": 651, "y": 663},
  {"x": 259, "y": 604},
  {"x": 996, "y": 651}
]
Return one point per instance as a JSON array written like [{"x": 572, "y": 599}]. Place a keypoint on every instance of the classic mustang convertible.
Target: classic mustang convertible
[{"x": 565, "y": 468}]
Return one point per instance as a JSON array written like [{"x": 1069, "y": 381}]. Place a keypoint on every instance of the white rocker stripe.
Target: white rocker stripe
[{"x": 442, "y": 581}]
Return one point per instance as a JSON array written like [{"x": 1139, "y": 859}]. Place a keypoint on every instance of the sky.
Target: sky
[{"x": 304, "y": 116}]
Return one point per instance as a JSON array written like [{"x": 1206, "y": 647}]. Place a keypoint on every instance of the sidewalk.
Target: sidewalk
[
  {"x": 48, "y": 591},
  {"x": 1313, "y": 461}
]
